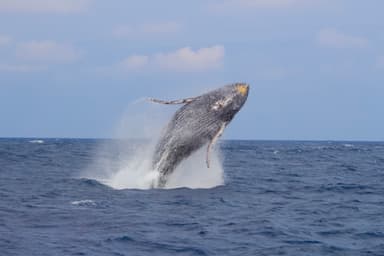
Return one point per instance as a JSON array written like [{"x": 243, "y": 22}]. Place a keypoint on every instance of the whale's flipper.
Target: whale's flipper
[
  {"x": 213, "y": 141},
  {"x": 182, "y": 101}
]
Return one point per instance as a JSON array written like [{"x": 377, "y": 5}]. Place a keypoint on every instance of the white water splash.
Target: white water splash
[
  {"x": 194, "y": 173},
  {"x": 127, "y": 164},
  {"x": 136, "y": 172}
]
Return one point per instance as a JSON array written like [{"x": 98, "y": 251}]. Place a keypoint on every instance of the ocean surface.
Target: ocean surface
[{"x": 278, "y": 198}]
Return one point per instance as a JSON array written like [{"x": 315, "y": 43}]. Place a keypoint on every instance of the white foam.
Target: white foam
[
  {"x": 84, "y": 202},
  {"x": 37, "y": 141}
]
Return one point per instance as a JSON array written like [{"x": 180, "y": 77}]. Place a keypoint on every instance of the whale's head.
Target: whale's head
[{"x": 229, "y": 99}]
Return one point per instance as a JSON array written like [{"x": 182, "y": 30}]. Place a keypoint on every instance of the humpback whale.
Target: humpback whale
[{"x": 200, "y": 121}]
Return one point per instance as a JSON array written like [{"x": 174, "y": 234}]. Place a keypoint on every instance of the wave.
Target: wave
[{"x": 37, "y": 141}]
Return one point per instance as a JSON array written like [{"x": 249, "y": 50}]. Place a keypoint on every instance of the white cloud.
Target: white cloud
[
  {"x": 18, "y": 68},
  {"x": 134, "y": 62},
  {"x": 185, "y": 59},
  {"x": 181, "y": 60},
  {"x": 54, "y": 6},
  {"x": 146, "y": 30},
  {"x": 337, "y": 39},
  {"x": 46, "y": 51},
  {"x": 230, "y": 5},
  {"x": 4, "y": 40}
]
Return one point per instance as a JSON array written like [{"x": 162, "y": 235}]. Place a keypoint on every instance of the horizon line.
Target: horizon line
[{"x": 271, "y": 140}]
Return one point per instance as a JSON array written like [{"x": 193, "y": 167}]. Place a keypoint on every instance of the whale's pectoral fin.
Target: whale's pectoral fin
[
  {"x": 182, "y": 101},
  {"x": 213, "y": 141}
]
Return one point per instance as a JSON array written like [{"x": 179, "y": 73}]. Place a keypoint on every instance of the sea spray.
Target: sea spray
[
  {"x": 126, "y": 161},
  {"x": 135, "y": 171},
  {"x": 193, "y": 171}
]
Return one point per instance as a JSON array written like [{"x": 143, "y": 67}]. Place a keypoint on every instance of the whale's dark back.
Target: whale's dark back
[{"x": 191, "y": 127}]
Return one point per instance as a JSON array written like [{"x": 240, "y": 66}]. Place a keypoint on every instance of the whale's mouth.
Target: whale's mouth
[{"x": 242, "y": 89}]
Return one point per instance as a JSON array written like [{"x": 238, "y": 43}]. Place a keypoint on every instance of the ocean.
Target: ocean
[{"x": 275, "y": 198}]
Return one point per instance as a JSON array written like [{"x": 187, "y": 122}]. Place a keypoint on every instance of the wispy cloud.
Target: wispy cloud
[
  {"x": 333, "y": 38},
  {"x": 4, "y": 40},
  {"x": 134, "y": 62},
  {"x": 20, "y": 68},
  {"x": 44, "y": 6},
  {"x": 181, "y": 60},
  {"x": 230, "y": 5},
  {"x": 380, "y": 62},
  {"x": 185, "y": 59},
  {"x": 146, "y": 30},
  {"x": 47, "y": 51}
]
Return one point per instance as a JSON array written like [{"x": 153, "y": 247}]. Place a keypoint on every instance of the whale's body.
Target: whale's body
[{"x": 200, "y": 121}]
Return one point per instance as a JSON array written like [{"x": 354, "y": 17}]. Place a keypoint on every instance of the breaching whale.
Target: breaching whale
[{"x": 200, "y": 121}]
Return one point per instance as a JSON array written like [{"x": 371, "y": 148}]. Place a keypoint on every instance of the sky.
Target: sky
[{"x": 72, "y": 68}]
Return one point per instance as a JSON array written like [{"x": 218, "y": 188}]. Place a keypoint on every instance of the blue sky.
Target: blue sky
[{"x": 71, "y": 68}]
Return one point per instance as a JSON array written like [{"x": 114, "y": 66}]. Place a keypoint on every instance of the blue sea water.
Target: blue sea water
[{"x": 279, "y": 198}]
